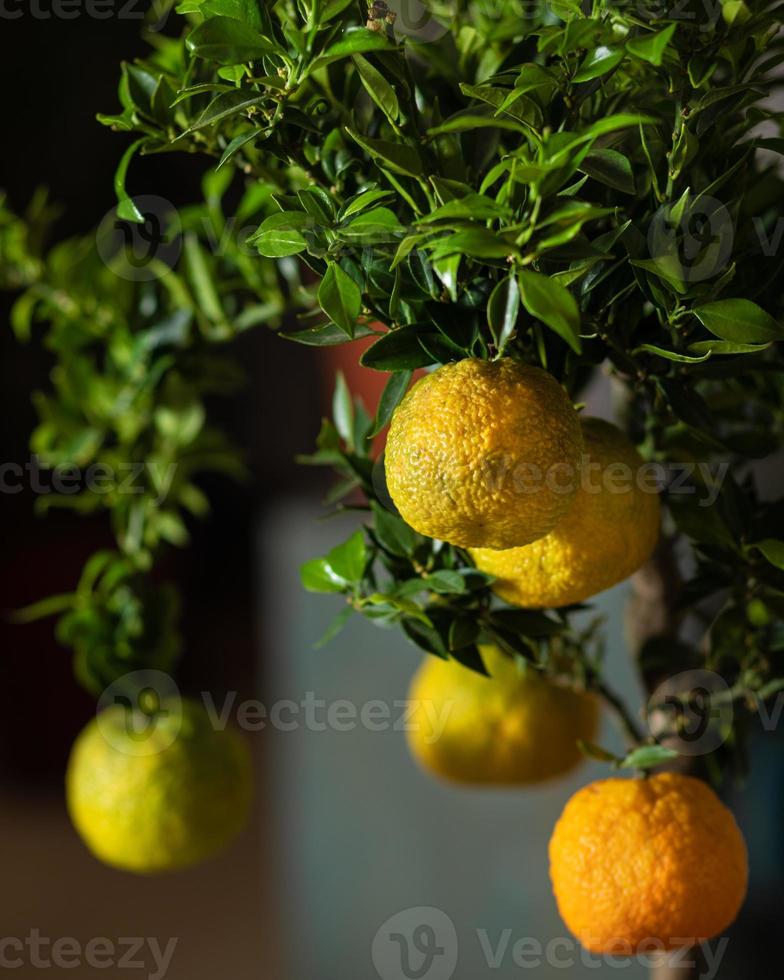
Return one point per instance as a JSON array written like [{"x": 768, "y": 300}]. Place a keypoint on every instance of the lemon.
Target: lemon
[
  {"x": 512, "y": 728},
  {"x": 610, "y": 530},
  {"x": 159, "y": 793},
  {"x": 484, "y": 454}
]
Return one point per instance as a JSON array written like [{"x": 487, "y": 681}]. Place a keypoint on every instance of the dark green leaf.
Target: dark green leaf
[
  {"x": 553, "y": 304},
  {"x": 400, "y": 158},
  {"x": 228, "y": 41},
  {"x": 772, "y": 550},
  {"x": 611, "y": 168},
  {"x": 339, "y": 297},
  {"x": 392, "y": 532},
  {"x": 226, "y": 104},
  {"x": 739, "y": 321},
  {"x": 397, "y": 350},
  {"x": 391, "y": 397},
  {"x": 651, "y": 47}
]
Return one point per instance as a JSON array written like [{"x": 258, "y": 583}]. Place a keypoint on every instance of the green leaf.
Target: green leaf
[
  {"x": 739, "y": 321},
  {"x": 397, "y": 350},
  {"x": 648, "y": 757},
  {"x": 348, "y": 560},
  {"x": 335, "y": 626},
  {"x": 227, "y": 104},
  {"x": 445, "y": 582},
  {"x": 463, "y": 632},
  {"x": 280, "y": 235},
  {"x": 651, "y": 47},
  {"x": 472, "y": 207},
  {"x": 400, "y": 158},
  {"x": 610, "y": 168},
  {"x": 343, "y": 410},
  {"x": 244, "y": 10},
  {"x": 525, "y": 622},
  {"x": 317, "y": 576},
  {"x": 331, "y": 9},
  {"x": 670, "y": 355},
  {"x": 50, "y": 606},
  {"x": 425, "y": 637},
  {"x": 553, "y": 304},
  {"x": 228, "y": 41},
  {"x": 378, "y": 88},
  {"x": 502, "y": 309},
  {"x": 392, "y": 532},
  {"x": 362, "y": 201},
  {"x": 235, "y": 146},
  {"x": 726, "y": 347},
  {"x": 359, "y": 41},
  {"x": 126, "y": 209},
  {"x": 480, "y": 243},
  {"x": 391, "y": 397},
  {"x": 598, "y": 62},
  {"x": 339, "y": 297},
  {"x": 772, "y": 550},
  {"x": 329, "y": 335}
]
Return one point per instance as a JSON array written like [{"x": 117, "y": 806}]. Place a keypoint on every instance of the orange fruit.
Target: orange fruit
[
  {"x": 513, "y": 728},
  {"x": 641, "y": 864},
  {"x": 610, "y": 530},
  {"x": 484, "y": 454}
]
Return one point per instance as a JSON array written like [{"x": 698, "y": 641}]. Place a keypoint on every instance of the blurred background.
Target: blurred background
[{"x": 347, "y": 832}]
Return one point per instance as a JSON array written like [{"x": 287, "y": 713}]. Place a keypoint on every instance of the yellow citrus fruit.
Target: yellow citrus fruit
[
  {"x": 160, "y": 793},
  {"x": 514, "y": 727},
  {"x": 478, "y": 451},
  {"x": 610, "y": 530},
  {"x": 641, "y": 864}
]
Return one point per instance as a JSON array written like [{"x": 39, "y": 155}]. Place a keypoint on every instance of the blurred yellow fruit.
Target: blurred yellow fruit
[
  {"x": 160, "y": 793},
  {"x": 641, "y": 864},
  {"x": 484, "y": 454},
  {"x": 611, "y": 529},
  {"x": 514, "y": 727}
]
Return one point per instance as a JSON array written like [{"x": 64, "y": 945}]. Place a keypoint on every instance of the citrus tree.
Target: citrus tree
[{"x": 510, "y": 198}]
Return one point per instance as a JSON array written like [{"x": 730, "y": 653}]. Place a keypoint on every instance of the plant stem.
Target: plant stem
[{"x": 631, "y": 729}]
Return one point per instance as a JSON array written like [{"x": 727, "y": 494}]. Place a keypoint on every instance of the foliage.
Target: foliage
[{"x": 577, "y": 185}]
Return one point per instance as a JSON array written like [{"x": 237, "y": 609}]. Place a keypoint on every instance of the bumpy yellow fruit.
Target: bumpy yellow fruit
[
  {"x": 610, "y": 530},
  {"x": 165, "y": 798},
  {"x": 484, "y": 454},
  {"x": 510, "y": 728},
  {"x": 638, "y": 864}
]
